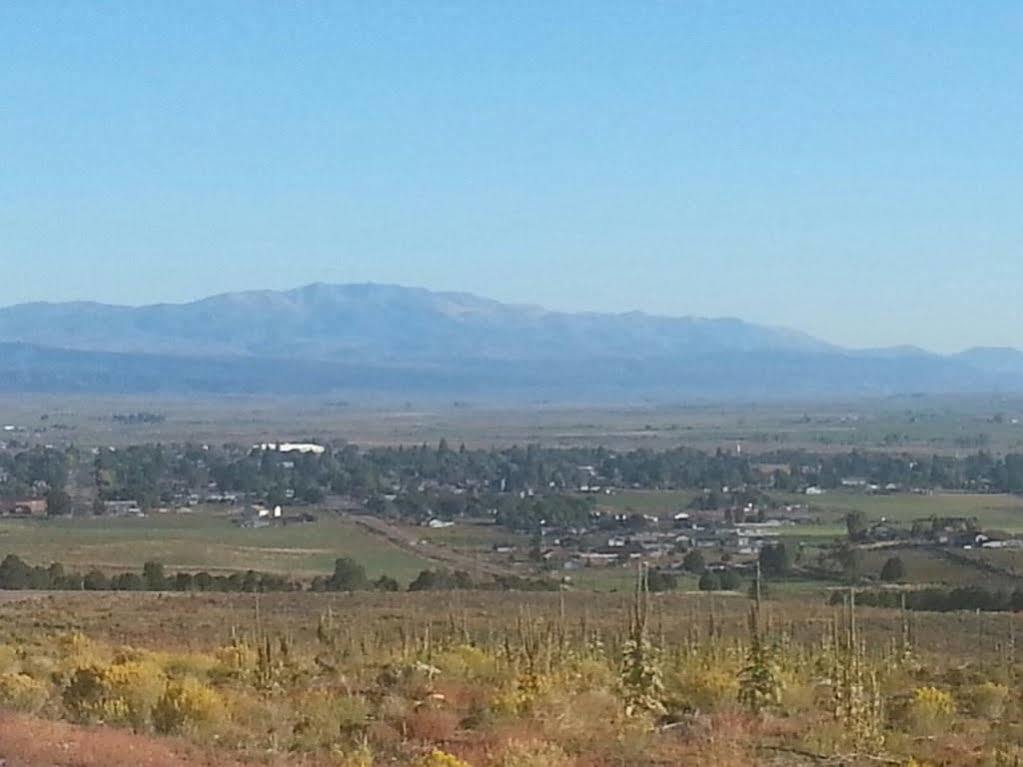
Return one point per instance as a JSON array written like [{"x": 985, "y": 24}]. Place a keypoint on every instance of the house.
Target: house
[
  {"x": 122, "y": 508},
  {"x": 23, "y": 507},
  {"x": 292, "y": 447}
]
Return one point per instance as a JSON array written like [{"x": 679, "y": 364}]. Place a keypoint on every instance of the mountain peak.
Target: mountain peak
[{"x": 472, "y": 339}]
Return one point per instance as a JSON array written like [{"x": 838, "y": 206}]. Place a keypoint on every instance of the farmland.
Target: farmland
[
  {"x": 205, "y": 541},
  {"x": 923, "y": 425}
]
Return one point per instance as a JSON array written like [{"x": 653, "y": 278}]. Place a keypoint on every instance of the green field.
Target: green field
[
  {"x": 930, "y": 567},
  {"x": 994, "y": 512},
  {"x": 204, "y": 541},
  {"x": 653, "y": 502},
  {"x": 470, "y": 535}
]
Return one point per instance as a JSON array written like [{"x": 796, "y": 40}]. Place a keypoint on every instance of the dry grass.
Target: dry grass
[{"x": 30, "y": 742}]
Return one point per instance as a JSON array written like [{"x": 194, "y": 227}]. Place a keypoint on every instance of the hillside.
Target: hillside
[{"x": 410, "y": 342}]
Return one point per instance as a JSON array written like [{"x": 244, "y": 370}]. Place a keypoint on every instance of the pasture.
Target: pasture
[{"x": 205, "y": 541}]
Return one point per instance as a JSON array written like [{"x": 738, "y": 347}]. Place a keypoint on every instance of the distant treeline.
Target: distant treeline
[
  {"x": 348, "y": 575},
  {"x": 17, "y": 575},
  {"x": 140, "y": 417},
  {"x": 939, "y": 600}
]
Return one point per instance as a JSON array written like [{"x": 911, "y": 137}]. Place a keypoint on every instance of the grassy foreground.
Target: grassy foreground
[{"x": 507, "y": 680}]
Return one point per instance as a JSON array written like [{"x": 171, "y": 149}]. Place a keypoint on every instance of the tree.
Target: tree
[
  {"x": 95, "y": 581},
  {"x": 14, "y": 573},
  {"x": 658, "y": 580},
  {"x": 386, "y": 583},
  {"x": 730, "y": 580},
  {"x": 427, "y": 580},
  {"x": 694, "y": 562},
  {"x": 850, "y": 559},
  {"x": 58, "y": 503},
  {"x": 128, "y": 582},
  {"x": 709, "y": 582},
  {"x": 348, "y": 575},
  {"x": 153, "y": 576},
  {"x": 203, "y": 581},
  {"x": 857, "y": 525},
  {"x": 894, "y": 570},
  {"x": 775, "y": 560},
  {"x": 184, "y": 582}
]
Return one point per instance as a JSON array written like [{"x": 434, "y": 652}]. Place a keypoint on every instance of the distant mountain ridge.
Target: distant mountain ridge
[
  {"x": 374, "y": 338},
  {"x": 345, "y": 322}
]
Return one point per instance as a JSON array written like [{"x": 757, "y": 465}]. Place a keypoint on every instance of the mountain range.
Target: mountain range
[{"x": 400, "y": 342}]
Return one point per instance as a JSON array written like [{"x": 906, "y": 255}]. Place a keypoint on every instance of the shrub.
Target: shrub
[
  {"x": 930, "y": 711},
  {"x": 467, "y": 662},
  {"x": 987, "y": 700},
  {"x": 709, "y": 582},
  {"x": 21, "y": 692},
  {"x": 534, "y": 753},
  {"x": 432, "y": 724},
  {"x": 124, "y": 692},
  {"x": 235, "y": 661},
  {"x": 186, "y": 706},
  {"x": 324, "y": 717},
  {"x": 894, "y": 570},
  {"x": 85, "y": 693},
  {"x": 360, "y": 756},
  {"x": 8, "y": 659},
  {"x": 708, "y": 689},
  {"x": 437, "y": 758},
  {"x": 134, "y": 686}
]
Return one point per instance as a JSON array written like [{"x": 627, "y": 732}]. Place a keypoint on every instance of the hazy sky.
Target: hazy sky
[{"x": 852, "y": 169}]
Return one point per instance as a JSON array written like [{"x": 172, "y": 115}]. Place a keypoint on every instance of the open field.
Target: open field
[
  {"x": 205, "y": 621},
  {"x": 658, "y": 504},
  {"x": 994, "y": 512},
  {"x": 928, "y": 424},
  {"x": 205, "y": 541},
  {"x": 933, "y": 567}
]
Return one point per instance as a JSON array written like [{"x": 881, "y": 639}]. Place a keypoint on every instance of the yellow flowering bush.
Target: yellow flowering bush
[
  {"x": 930, "y": 711},
  {"x": 22, "y": 693},
  {"x": 437, "y": 758},
  {"x": 186, "y": 706},
  {"x": 123, "y": 692}
]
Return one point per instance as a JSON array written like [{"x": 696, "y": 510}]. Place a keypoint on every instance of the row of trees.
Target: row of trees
[
  {"x": 17, "y": 575},
  {"x": 348, "y": 575},
  {"x": 940, "y": 599}
]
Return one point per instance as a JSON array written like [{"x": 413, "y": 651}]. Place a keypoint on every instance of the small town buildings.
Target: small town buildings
[
  {"x": 122, "y": 508},
  {"x": 23, "y": 507},
  {"x": 292, "y": 447}
]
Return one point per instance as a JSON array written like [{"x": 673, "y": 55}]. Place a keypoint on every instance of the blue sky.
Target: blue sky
[{"x": 851, "y": 169}]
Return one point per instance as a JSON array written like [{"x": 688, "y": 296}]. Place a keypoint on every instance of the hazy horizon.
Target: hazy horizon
[{"x": 850, "y": 172}]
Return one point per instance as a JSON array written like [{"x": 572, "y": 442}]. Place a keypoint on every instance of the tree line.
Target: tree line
[
  {"x": 941, "y": 600},
  {"x": 348, "y": 575},
  {"x": 155, "y": 474}
]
